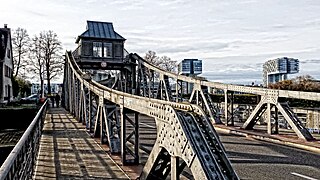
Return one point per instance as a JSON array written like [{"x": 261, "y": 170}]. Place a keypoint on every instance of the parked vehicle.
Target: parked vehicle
[{"x": 33, "y": 98}]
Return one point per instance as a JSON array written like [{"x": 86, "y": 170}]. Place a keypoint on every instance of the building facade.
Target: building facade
[
  {"x": 55, "y": 88},
  {"x": 6, "y": 65},
  {"x": 276, "y": 70},
  {"x": 190, "y": 67}
]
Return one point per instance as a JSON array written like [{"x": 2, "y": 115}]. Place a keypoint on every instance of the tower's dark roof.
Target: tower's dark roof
[{"x": 103, "y": 30}]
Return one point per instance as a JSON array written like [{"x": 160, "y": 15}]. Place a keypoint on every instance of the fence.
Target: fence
[{"x": 21, "y": 161}]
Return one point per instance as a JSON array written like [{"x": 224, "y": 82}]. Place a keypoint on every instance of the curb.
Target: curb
[{"x": 268, "y": 139}]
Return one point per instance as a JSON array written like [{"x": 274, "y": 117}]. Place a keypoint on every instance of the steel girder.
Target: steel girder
[
  {"x": 204, "y": 100},
  {"x": 265, "y": 105},
  {"x": 129, "y": 154},
  {"x": 199, "y": 146},
  {"x": 190, "y": 136},
  {"x": 143, "y": 85},
  {"x": 228, "y": 107},
  {"x": 164, "y": 91},
  {"x": 179, "y": 91}
]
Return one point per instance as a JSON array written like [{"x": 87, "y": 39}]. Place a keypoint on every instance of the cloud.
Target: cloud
[
  {"x": 171, "y": 2},
  {"x": 310, "y": 61},
  {"x": 36, "y": 13}
]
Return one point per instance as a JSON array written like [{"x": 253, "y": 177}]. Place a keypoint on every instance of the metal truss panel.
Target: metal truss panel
[
  {"x": 204, "y": 100},
  {"x": 255, "y": 115},
  {"x": 112, "y": 122},
  {"x": 294, "y": 122},
  {"x": 236, "y": 88}
]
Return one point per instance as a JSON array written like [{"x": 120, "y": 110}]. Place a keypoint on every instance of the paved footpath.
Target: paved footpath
[{"x": 68, "y": 152}]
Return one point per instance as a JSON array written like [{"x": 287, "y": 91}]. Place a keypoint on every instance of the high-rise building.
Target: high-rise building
[
  {"x": 190, "y": 67},
  {"x": 276, "y": 70}
]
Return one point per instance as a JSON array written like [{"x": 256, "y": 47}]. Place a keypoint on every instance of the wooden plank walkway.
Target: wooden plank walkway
[{"x": 68, "y": 152}]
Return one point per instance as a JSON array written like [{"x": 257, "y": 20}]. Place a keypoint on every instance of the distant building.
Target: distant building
[
  {"x": 190, "y": 67},
  {"x": 276, "y": 70},
  {"x": 6, "y": 65},
  {"x": 55, "y": 88}
]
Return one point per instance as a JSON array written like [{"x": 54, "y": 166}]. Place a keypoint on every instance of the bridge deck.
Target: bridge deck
[{"x": 68, "y": 152}]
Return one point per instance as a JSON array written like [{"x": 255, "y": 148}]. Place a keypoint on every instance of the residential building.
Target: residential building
[{"x": 6, "y": 65}]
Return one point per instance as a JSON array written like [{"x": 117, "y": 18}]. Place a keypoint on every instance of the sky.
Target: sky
[{"x": 233, "y": 38}]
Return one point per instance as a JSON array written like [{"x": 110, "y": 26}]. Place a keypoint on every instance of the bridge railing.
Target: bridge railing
[{"x": 21, "y": 161}]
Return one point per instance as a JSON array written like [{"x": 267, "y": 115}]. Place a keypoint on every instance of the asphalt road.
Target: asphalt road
[{"x": 251, "y": 159}]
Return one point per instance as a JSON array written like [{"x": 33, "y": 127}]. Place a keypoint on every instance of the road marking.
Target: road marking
[
  {"x": 303, "y": 176},
  {"x": 147, "y": 125}
]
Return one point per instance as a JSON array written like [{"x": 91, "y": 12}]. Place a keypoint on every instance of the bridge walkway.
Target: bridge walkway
[{"x": 68, "y": 152}]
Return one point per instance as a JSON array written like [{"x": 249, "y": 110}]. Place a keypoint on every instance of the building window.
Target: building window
[
  {"x": 8, "y": 53},
  {"x": 118, "y": 50},
  {"x": 97, "y": 49},
  {"x": 6, "y": 91},
  {"x": 86, "y": 48},
  {"x": 7, "y": 71},
  {"x": 107, "y": 50}
]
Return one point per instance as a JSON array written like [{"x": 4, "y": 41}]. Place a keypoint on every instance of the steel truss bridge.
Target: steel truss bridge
[{"x": 184, "y": 128}]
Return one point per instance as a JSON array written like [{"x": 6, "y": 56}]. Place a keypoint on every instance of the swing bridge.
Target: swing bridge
[{"x": 185, "y": 127}]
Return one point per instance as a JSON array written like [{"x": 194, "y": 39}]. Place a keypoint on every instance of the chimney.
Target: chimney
[{"x": 5, "y": 25}]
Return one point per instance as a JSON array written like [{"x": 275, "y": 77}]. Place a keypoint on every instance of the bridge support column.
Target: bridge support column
[
  {"x": 179, "y": 90},
  {"x": 164, "y": 89},
  {"x": 228, "y": 107},
  {"x": 174, "y": 168},
  {"x": 129, "y": 140},
  {"x": 269, "y": 125},
  {"x": 276, "y": 120}
]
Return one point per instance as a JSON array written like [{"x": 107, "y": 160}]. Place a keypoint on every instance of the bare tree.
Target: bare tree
[
  {"x": 36, "y": 61},
  {"x": 151, "y": 57},
  {"x": 167, "y": 64},
  {"x": 53, "y": 61},
  {"x": 20, "y": 42},
  {"x": 163, "y": 62}
]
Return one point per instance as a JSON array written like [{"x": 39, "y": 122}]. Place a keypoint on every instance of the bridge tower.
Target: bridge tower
[
  {"x": 101, "y": 54},
  {"x": 101, "y": 48}
]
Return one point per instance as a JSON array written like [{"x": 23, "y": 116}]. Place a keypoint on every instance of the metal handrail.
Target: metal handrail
[{"x": 21, "y": 161}]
